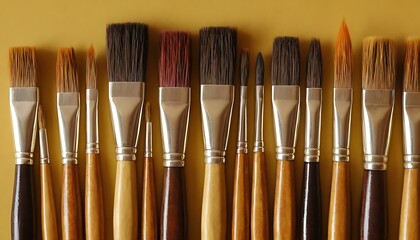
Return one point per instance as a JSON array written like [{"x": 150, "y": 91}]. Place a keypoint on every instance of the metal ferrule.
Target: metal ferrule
[
  {"x": 259, "y": 119},
  {"x": 68, "y": 109},
  {"x": 44, "y": 154},
  {"x": 92, "y": 141},
  {"x": 342, "y": 109},
  {"x": 242, "y": 145},
  {"x": 411, "y": 124},
  {"x": 216, "y": 113},
  {"x": 313, "y": 124},
  {"x": 377, "y": 110},
  {"x": 148, "y": 144},
  {"x": 286, "y": 105},
  {"x": 24, "y": 110},
  {"x": 174, "y": 105},
  {"x": 126, "y": 103}
]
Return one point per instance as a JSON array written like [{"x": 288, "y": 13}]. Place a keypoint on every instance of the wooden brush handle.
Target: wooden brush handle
[
  {"x": 149, "y": 223},
  {"x": 173, "y": 211},
  {"x": 94, "y": 211},
  {"x": 339, "y": 221},
  {"x": 259, "y": 199},
  {"x": 241, "y": 202},
  {"x": 311, "y": 202},
  {"x": 48, "y": 216},
  {"x": 410, "y": 206},
  {"x": 71, "y": 211},
  {"x": 285, "y": 201},
  {"x": 213, "y": 215},
  {"x": 23, "y": 205},
  {"x": 373, "y": 223},
  {"x": 125, "y": 202}
]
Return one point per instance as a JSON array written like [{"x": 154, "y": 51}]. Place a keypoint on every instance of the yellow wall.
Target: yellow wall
[{"x": 50, "y": 24}]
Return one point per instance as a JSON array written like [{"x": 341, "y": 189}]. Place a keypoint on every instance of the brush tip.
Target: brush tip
[
  {"x": 66, "y": 71},
  {"x": 91, "y": 69},
  {"x": 314, "y": 65},
  {"x": 285, "y": 66},
  {"x": 259, "y": 76},
  {"x": 244, "y": 67},
  {"x": 148, "y": 113},
  {"x": 411, "y": 66},
  {"x": 41, "y": 117},
  {"x": 343, "y": 58},
  {"x": 23, "y": 67}
]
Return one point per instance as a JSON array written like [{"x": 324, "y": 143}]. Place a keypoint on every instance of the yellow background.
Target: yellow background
[{"x": 51, "y": 24}]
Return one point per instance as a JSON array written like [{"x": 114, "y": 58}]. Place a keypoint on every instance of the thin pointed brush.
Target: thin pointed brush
[
  {"x": 378, "y": 96},
  {"x": 174, "y": 102},
  {"x": 23, "y": 98}
]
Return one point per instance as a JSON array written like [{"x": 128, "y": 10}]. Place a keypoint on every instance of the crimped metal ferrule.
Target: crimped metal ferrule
[
  {"x": 259, "y": 119},
  {"x": 242, "y": 145},
  {"x": 313, "y": 124},
  {"x": 148, "y": 144},
  {"x": 92, "y": 138},
  {"x": 44, "y": 154},
  {"x": 411, "y": 125},
  {"x": 342, "y": 109}
]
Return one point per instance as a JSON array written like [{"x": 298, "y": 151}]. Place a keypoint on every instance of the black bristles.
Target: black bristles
[
  {"x": 244, "y": 67},
  {"x": 314, "y": 65},
  {"x": 259, "y": 71},
  {"x": 285, "y": 66}
]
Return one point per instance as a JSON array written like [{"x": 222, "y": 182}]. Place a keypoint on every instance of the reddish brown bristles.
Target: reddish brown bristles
[
  {"x": 66, "y": 71},
  {"x": 91, "y": 69},
  {"x": 23, "y": 67},
  {"x": 343, "y": 58},
  {"x": 411, "y": 67},
  {"x": 41, "y": 118}
]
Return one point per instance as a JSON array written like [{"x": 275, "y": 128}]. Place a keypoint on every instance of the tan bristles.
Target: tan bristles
[
  {"x": 411, "y": 67},
  {"x": 343, "y": 58},
  {"x": 91, "y": 69},
  {"x": 147, "y": 113},
  {"x": 23, "y": 67},
  {"x": 66, "y": 71},
  {"x": 41, "y": 118}
]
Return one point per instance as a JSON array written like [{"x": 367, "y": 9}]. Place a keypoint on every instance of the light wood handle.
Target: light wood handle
[
  {"x": 48, "y": 217},
  {"x": 148, "y": 214},
  {"x": 241, "y": 199},
  {"x": 285, "y": 201},
  {"x": 339, "y": 221},
  {"x": 125, "y": 202},
  {"x": 410, "y": 206},
  {"x": 71, "y": 209},
  {"x": 213, "y": 215},
  {"x": 94, "y": 212},
  {"x": 259, "y": 199}
]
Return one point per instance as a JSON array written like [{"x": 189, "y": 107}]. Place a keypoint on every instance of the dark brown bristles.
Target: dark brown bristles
[
  {"x": 343, "y": 59},
  {"x": 175, "y": 59},
  {"x": 244, "y": 67},
  {"x": 314, "y": 65},
  {"x": 217, "y": 55},
  {"x": 126, "y": 52},
  {"x": 378, "y": 63},
  {"x": 259, "y": 71},
  {"x": 23, "y": 67},
  {"x": 91, "y": 69},
  {"x": 41, "y": 118},
  {"x": 147, "y": 113},
  {"x": 285, "y": 65},
  {"x": 66, "y": 71},
  {"x": 411, "y": 67}
]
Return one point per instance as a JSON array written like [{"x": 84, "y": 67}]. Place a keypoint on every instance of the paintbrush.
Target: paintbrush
[
  {"x": 24, "y": 98},
  {"x": 339, "y": 221},
  {"x": 410, "y": 207},
  {"x": 94, "y": 212},
  {"x": 285, "y": 70},
  {"x": 378, "y": 83},
  {"x": 241, "y": 201},
  {"x": 259, "y": 199},
  {"x": 174, "y": 105},
  {"x": 126, "y": 60},
  {"x": 217, "y": 70},
  {"x": 311, "y": 184}
]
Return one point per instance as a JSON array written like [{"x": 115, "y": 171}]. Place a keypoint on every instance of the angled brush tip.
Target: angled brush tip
[
  {"x": 244, "y": 67},
  {"x": 285, "y": 65},
  {"x": 23, "y": 67},
  {"x": 411, "y": 66},
  {"x": 66, "y": 71},
  {"x": 259, "y": 71},
  {"x": 41, "y": 117},
  {"x": 343, "y": 58},
  {"x": 91, "y": 69},
  {"x": 314, "y": 65}
]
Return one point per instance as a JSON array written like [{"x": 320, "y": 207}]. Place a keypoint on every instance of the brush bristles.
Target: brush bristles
[
  {"x": 244, "y": 67},
  {"x": 91, "y": 69},
  {"x": 23, "y": 67},
  {"x": 66, "y": 71},
  {"x": 217, "y": 55},
  {"x": 285, "y": 66},
  {"x": 41, "y": 118},
  {"x": 314, "y": 65},
  {"x": 378, "y": 63},
  {"x": 411, "y": 66},
  {"x": 175, "y": 59},
  {"x": 343, "y": 58},
  {"x": 259, "y": 71},
  {"x": 126, "y": 52},
  {"x": 147, "y": 112}
]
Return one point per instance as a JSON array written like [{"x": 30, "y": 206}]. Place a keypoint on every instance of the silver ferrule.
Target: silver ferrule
[
  {"x": 411, "y": 125},
  {"x": 313, "y": 124},
  {"x": 148, "y": 142},
  {"x": 242, "y": 145},
  {"x": 259, "y": 119},
  {"x": 24, "y": 110},
  {"x": 68, "y": 109},
  {"x": 342, "y": 109},
  {"x": 126, "y": 103},
  {"x": 216, "y": 113},
  {"x": 377, "y": 110},
  {"x": 286, "y": 105},
  {"x": 44, "y": 154},
  {"x": 174, "y": 105},
  {"x": 92, "y": 141}
]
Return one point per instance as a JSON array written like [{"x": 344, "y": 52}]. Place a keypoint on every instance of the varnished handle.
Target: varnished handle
[
  {"x": 311, "y": 203},
  {"x": 23, "y": 205},
  {"x": 148, "y": 213},
  {"x": 374, "y": 219},
  {"x": 410, "y": 206},
  {"x": 48, "y": 216},
  {"x": 259, "y": 199},
  {"x": 285, "y": 201},
  {"x": 213, "y": 215},
  {"x": 173, "y": 211},
  {"x": 125, "y": 202},
  {"x": 339, "y": 221},
  {"x": 94, "y": 212},
  {"x": 241, "y": 202},
  {"x": 71, "y": 211}
]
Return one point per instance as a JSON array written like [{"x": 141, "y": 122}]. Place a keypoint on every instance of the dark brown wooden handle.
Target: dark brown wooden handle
[
  {"x": 149, "y": 224},
  {"x": 310, "y": 228},
  {"x": 241, "y": 199},
  {"x": 23, "y": 205},
  {"x": 259, "y": 199},
  {"x": 410, "y": 206},
  {"x": 374, "y": 219},
  {"x": 71, "y": 210}
]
